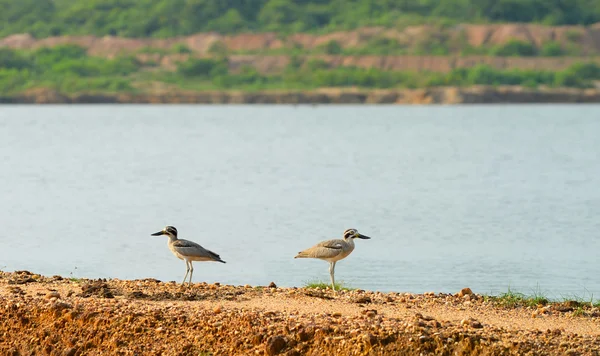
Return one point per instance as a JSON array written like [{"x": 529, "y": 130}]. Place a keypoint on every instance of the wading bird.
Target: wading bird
[
  {"x": 333, "y": 250},
  {"x": 187, "y": 250}
]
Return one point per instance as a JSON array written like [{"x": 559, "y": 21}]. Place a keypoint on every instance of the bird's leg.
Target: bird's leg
[
  {"x": 187, "y": 270},
  {"x": 331, "y": 273},
  {"x": 191, "y": 271}
]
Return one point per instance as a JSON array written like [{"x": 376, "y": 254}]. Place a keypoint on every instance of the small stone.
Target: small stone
[
  {"x": 52, "y": 294},
  {"x": 371, "y": 313},
  {"x": 70, "y": 352},
  {"x": 275, "y": 345},
  {"x": 336, "y": 314},
  {"x": 362, "y": 300},
  {"x": 272, "y": 285},
  {"x": 370, "y": 339},
  {"x": 217, "y": 309},
  {"x": 434, "y": 323},
  {"x": 465, "y": 291},
  {"x": 476, "y": 324}
]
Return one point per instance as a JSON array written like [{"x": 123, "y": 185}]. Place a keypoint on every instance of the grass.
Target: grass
[
  {"x": 514, "y": 299},
  {"x": 579, "y": 312},
  {"x": 72, "y": 277},
  {"x": 316, "y": 284},
  {"x": 582, "y": 300}
]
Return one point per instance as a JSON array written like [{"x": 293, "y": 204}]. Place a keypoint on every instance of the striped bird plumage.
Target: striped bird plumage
[
  {"x": 188, "y": 251},
  {"x": 333, "y": 250}
]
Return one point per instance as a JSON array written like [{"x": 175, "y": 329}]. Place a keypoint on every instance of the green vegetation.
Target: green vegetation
[
  {"x": 434, "y": 43},
  {"x": 65, "y": 68},
  {"x": 512, "y": 299},
  {"x": 514, "y": 48},
  {"x": 72, "y": 277},
  {"x": 167, "y": 18},
  {"x": 582, "y": 300},
  {"x": 69, "y": 69},
  {"x": 326, "y": 285}
]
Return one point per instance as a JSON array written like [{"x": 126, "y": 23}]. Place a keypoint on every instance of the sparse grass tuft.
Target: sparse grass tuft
[
  {"x": 72, "y": 277},
  {"x": 512, "y": 299},
  {"x": 316, "y": 284},
  {"x": 581, "y": 300},
  {"x": 579, "y": 311}
]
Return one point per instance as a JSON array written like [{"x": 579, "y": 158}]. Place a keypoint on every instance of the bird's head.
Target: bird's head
[
  {"x": 353, "y": 234},
  {"x": 170, "y": 231}
]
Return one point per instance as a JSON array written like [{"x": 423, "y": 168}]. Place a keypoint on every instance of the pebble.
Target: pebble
[
  {"x": 465, "y": 291},
  {"x": 52, "y": 294}
]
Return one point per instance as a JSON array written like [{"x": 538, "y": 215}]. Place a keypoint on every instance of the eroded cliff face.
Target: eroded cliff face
[
  {"x": 460, "y": 35},
  {"x": 456, "y": 38}
]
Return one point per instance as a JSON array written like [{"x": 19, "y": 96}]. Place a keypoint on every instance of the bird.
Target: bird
[
  {"x": 187, "y": 250},
  {"x": 333, "y": 250}
]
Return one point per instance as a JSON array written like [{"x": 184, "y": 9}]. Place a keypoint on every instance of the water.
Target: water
[{"x": 488, "y": 197}]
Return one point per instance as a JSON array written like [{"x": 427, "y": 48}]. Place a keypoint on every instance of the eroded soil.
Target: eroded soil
[{"x": 58, "y": 316}]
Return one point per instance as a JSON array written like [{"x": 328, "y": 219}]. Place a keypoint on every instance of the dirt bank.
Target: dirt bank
[
  {"x": 57, "y": 316},
  {"x": 257, "y": 49},
  {"x": 458, "y": 37},
  {"x": 471, "y": 95}
]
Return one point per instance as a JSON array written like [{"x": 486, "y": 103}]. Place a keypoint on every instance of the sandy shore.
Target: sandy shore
[
  {"x": 59, "y": 316},
  {"x": 442, "y": 95}
]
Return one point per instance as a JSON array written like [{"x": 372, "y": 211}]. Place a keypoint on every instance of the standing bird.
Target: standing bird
[
  {"x": 333, "y": 250},
  {"x": 187, "y": 250}
]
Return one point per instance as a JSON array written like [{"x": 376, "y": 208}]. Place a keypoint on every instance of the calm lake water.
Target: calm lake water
[{"x": 486, "y": 197}]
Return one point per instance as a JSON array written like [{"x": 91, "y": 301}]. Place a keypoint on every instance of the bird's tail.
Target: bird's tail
[{"x": 216, "y": 257}]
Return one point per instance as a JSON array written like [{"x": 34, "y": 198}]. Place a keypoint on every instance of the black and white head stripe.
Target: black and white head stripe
[
  {"x": 171, "y": 230},
  {"x": 350, "y": 233}
]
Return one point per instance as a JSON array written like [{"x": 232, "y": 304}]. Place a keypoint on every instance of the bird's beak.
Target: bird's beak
[
  {"x": 364, "y": 237},
  {"x": 162, "y": 232}
]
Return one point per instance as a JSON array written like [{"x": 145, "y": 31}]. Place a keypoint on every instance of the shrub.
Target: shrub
[
  {"x": 202, "y": 67},
  {"x": 552, "y": 49},
  {"x": 10, "y": 59},
  {"x": 181, "y": 48},
  {"x": 514, "y": 48},
  {"x": 332, "y": 47}
]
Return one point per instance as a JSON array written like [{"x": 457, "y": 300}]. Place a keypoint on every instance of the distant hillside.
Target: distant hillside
[
  {"x": 168, "y": 18},
  {"x": 494, "y": 40}
]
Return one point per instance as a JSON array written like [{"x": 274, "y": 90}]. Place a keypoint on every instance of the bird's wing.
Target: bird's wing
[
  {"x": 190, "y": 248},
  {"x": 332, "y": 244},
  {"x": 325, "y": 249}
]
